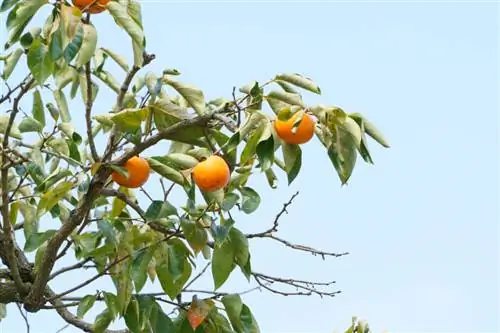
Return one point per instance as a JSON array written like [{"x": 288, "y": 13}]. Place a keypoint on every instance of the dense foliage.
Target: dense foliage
[{"x": 51, "y": 170}]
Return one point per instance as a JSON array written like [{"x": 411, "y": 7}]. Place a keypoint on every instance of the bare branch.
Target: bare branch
[
  {"x": 305, "y": 248},
  {"x": 25, "y": 317},
  {"x": 274, "y": 228},
  {"x": 303, "y": 288},
  {"x": 88, "y": 114}
]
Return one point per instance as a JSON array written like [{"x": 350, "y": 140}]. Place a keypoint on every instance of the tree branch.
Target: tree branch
[
  {"x": 303, "y": 288},
  {"x": 88, "y": 114},
  {"x": 7, "y": 248},
  {"x": 109, "y": 192}
]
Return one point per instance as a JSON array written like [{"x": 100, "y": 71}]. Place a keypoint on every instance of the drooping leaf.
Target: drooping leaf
[
  {"x": 140, "y": 264},
  {"x": 36, "y": 239},
  {"x": 62, "y": 105},
  {"x": 102, "y": 321},
  {"x": 85, "y": 305},
  {"x": 222, "y": 263},
  {"x": 89, "y": 44},
  {"x": 292, "y": 155},
  {"x": 11, "y": 62},
  {"x": 299, "y": 81},
  {"x": 343, "y": 154},
  {"x": 121, "y": 16},
  {"x": 69, "y": 131},
  {"x": 230, "y": 199},
  {"x": 39, "y": 62},
  {"x": 37, "y": 109},
  {"x": 7, "y": 4},
  {"x": 239, "y": 243},
  {"x": 75, "y": 44},
  {"x": 161, "y": 323}
]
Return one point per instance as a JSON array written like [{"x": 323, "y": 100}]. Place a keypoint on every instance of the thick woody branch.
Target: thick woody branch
[
  {"x": 9, "y": 293},
  {"x": 7, "y": 248}
]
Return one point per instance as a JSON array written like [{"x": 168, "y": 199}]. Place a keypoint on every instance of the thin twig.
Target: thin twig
[{"x": 25, "y": 317}]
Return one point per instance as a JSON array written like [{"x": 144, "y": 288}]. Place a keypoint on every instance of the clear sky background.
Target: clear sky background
[{"x": 422, "y": 224}]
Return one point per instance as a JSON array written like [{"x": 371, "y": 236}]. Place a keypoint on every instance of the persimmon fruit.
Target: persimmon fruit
[
  {"x": 91, "y": 6},
  {"x": 303, "y": 133},
  {"x": 211, "y": 174},
  {"x": 138, "y": 173}
]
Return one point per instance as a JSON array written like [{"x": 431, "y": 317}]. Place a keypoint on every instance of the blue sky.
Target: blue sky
[{"x": 421, "y": 225}]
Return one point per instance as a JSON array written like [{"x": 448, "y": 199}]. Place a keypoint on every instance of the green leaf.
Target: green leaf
[
  {"x": 272, "y": 180},
  {"x": 14, "y": 131},
  {"x": 195, "y": 235},
  {"x": 19, "y": 17},
  {"x": 60, "y": 146},
  {"x": 107, "y": 230},
  {"x": 230, "y": 199},
  {"x": 74, "y": 45},
  {"x": 121, "y": 16},
  {"x": 121, "y": 61},
  {"x": 129, "y": 120},
  {"x": 50, "y": 198},
  {"x": 89, "y": 44},
  {"x": 343, "y": 155},
  {"x": 180, "y": 161},
  {"x": 85, "y": 305},
  {"x": 171, "y": 288},
  {"x": 112, "y": 304},
  {"x": 39, "y": 62},
  {"x": 265, "y": 148},
  {"x": 28, "y": 38},
  {"x": 191, "y": 94},
  {"x": 69, "y": 131},
  {"x": 56, "y": 44},
  {"x": 285, "y": 97},
  {"x": 37, "y": 110},
  {"x": 292, "y": 155},
  {"x": 299, "y": 81},
  {"x": 220, "y": 232},
  {"x": 140, "y": 265},
  {"x": 248, "y": 321},
  {"x": 36, "y": 239},
  {"x": 352, "y": 128},
  {"x": 371, "y": 130},
  {"x": 239, "y": 243},
  {"x": 222, "y": 263},
  {"x": 162, "y": 323},
  {"x": 62, "y": 104},
  {"x": 7, "y": 4},
  {"x": 251, "y": 199},
  {"x": 132, "y": 316},
  {"x": 165, "y": 171},
  {"x": 160, "y": 209},
  {"x": 233, "y": 305},
  {"x": 54, "y": 112},
  {"x": 11, "y": 63},
  {"x": 102, "y": 321},
  {"x": 29, "y": 124}
]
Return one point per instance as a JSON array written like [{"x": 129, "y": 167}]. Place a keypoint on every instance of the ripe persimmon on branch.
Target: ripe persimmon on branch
[{"x": 49, "y": 172}]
